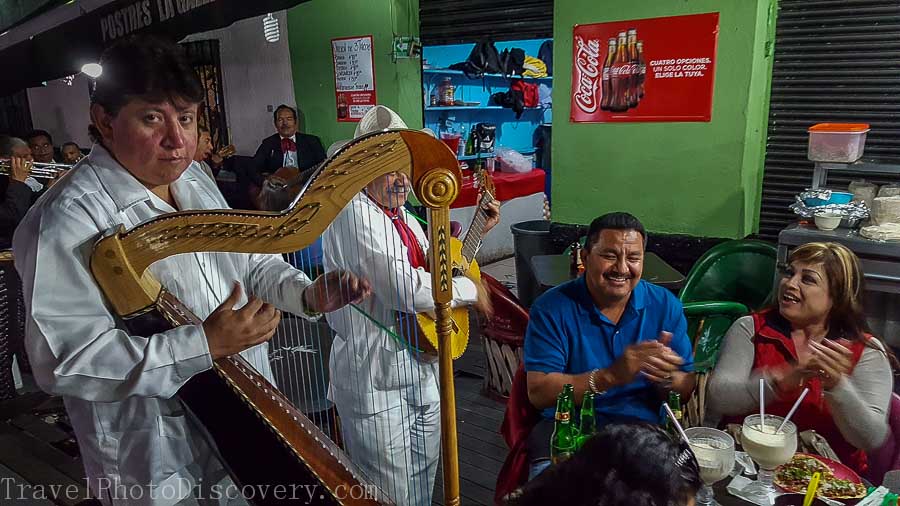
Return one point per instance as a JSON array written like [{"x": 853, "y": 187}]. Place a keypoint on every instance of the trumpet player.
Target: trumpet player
[{"x": 18, "y": 195}]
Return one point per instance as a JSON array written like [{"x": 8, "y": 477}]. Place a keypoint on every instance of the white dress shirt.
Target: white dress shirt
[
  {"x": 370, "y": 371},
  {"x": 119, "y": 389},
  {"x": 290, "y": 157}
]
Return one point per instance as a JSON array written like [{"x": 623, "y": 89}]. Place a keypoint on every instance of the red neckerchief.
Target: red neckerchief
[
  {"x": 414, "y": 249},
  {"x": 288, "y": 144}
]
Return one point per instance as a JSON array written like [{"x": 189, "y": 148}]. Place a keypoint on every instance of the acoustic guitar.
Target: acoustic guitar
[
  {"x": 462, "y": 255},
  {"x": 282, "y": 187}
]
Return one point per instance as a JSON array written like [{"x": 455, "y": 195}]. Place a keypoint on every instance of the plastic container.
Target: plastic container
[
  {"x": 530, "y": 238},
  {"x": 837, "y": 197},
  {"x": 826, "y": 221},
  {"x": 837, "y": 142}
]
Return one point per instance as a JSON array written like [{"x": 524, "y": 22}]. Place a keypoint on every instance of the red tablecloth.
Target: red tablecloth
[{"x": 509, "y": 186}]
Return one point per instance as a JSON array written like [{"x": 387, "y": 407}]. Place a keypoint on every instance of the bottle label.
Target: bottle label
[
  {"x": 606, "y": 73},
  {"x": 563, "y": 416}
]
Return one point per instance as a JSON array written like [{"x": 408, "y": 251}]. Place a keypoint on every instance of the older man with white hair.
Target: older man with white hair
[{"x": 387, "y": 394}]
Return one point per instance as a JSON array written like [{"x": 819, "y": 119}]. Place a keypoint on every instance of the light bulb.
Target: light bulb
[
  {"x": 270, "y": 28},
  {"x": 92, "y": 70}
]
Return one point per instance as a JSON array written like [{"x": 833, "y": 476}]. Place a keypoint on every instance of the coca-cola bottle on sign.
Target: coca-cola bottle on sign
[
  {"x": 642, "y": 69},
  {"x": 620, "y": 77},
  {"x": 606, "y": 84},
  {"x": 633, "y": 78}
]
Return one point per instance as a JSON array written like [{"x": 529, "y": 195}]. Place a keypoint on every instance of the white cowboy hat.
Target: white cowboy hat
[{"x": 376, "y": 119}]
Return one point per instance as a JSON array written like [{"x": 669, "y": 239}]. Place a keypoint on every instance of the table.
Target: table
[
  {"x": 552, "y": 270},
  {"x": 521, "y": 199}
]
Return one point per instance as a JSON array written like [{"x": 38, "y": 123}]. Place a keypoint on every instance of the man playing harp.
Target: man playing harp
[
  {"x": 120, "y": 389},
  {"x": 386, "y": 393}
]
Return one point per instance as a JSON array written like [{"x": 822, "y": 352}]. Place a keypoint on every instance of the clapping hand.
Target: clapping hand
[
  {"x": 830, "y": 361},
  {"x": 334, "y": 290},
  {"x": 662, "y": 366}
]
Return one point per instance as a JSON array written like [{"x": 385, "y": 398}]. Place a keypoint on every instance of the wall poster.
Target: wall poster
[{"x": 658, "y": 69}]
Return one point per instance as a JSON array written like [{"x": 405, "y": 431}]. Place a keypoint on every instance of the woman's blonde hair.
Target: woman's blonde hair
[{"x": 846, "y": 286}]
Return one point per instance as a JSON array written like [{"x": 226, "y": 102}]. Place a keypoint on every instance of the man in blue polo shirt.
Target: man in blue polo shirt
[{"x": 608, "y": 332}]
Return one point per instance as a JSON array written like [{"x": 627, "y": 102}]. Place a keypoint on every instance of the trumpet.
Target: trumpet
[{"x": 38, "y": 170}]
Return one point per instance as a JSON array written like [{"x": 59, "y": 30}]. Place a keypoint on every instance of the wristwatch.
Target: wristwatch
[
  {"x": 307, "y": 310},
  {"x": 592, "y": 383}
]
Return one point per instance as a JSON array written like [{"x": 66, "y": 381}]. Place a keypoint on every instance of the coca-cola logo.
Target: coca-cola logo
[{"x": 587, "y": 66}]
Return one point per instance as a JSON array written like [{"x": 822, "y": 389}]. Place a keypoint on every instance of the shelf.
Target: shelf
[
  {"x": 456, "y": 107},
  {"x": 475, "y": 107},
  {"x": 868, "y": 166},
  {"x": 475, "y": 157},
  {"x": 500, "y": 76},
  {"x": 820, "y": 171}
]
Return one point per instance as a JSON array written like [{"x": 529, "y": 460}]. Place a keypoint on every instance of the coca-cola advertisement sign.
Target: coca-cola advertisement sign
[{"x": 659, "y": 69}]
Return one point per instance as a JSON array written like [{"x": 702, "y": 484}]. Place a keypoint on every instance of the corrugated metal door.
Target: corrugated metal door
[
  {"x": 464, "y": 21},
  {"x": 835, "y": 61}
]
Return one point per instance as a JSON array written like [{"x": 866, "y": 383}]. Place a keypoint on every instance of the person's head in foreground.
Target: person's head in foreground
[{"x": 634, "y": 464}]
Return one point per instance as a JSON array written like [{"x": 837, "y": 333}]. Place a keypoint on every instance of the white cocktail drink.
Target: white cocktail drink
[
  {"x": 714, "y": 451},
  {"x": 769, "y": 449}
]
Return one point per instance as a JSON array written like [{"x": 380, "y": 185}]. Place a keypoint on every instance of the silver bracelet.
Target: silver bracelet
[{"x": 592, "y": 385}]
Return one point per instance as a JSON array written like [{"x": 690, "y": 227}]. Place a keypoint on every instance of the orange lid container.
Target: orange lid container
[{"x": 843, "y": 128}]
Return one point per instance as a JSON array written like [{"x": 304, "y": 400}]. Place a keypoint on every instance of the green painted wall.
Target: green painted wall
[
  {"x": 312, "y": 25},
  {"x": 701, "y": 179}
]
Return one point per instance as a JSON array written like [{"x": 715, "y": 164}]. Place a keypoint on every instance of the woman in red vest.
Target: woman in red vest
[{"x": 814, "y": 336}]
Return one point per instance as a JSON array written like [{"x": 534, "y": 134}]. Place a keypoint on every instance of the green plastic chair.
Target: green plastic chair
[{"x": 728, "y": 281}]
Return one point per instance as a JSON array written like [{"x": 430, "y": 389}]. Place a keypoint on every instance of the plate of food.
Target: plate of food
[{"x": 837, "y": 481}]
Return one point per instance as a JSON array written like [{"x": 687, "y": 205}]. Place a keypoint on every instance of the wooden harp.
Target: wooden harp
[{"x": 261, "y": 436}]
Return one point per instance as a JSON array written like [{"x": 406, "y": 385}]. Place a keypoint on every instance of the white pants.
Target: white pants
[{"x": 397, "y": 449}]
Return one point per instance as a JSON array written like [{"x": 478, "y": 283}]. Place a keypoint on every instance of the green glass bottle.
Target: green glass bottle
[
  {"x": 588, "y": 422},
  {"x": 562, "y": 442},
  {"x": 674, "y": 403},
  {"x": 569, "y": 391}
]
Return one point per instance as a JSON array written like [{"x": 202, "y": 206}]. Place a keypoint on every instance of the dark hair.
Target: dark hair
[
  {"x": 282, "y": 107},
  {"x": 38, "y": 133},
  {"x": 203, "y": 129},
  {"x": 146, "y": 67},
  {"x": 70, "y": 143},
  {"x": 635, "y": 464},
  {"x": 613, "y": 221}
]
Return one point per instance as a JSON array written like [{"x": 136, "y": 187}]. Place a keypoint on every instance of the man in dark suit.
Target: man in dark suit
[{"x": 287, "y": 148}]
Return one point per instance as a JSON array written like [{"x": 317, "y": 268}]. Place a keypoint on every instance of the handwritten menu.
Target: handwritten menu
[{"x": 354, "y": 77}]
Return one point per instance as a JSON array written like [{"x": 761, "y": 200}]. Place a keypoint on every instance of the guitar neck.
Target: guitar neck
[{"x": 472, "y": 240}]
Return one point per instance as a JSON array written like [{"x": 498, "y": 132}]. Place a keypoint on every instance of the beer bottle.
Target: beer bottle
[
  {"x": 606, "y": 85},
  {"x": 633, "y": 76},
  {"x": 674, "y": 403},
  {"x": 619, "y": 76},
  {"x": 569, "y": 390},
  {"x": 642, "y": 69},
  {"x": 587, "y": 426},
  {"x": 562, "y": 442}
]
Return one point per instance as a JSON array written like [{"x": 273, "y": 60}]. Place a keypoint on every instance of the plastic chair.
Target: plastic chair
[
  {"x": 734, "y": 271},
  {"x": 727, "y": 282},
  {"x": 887, "y": 457}
]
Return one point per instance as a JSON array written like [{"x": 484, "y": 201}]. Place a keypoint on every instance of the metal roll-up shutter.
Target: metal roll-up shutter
[
  {"x": 464, "y": 21},
  {"x": 835, "y": 61}
]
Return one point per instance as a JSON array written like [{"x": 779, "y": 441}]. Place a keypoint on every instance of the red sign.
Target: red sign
[
  {"x": 354, "y": 76},
  {"x": 658, "y": 69}
]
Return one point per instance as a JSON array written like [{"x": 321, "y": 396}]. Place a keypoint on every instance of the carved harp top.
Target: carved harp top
[{"x": 120, "y": 261}]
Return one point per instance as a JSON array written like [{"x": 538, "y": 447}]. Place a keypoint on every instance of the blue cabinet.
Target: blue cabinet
[{"x": 473, "y": 97}]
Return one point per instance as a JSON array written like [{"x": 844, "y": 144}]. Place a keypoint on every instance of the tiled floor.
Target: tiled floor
[{"x": 504, "y": 271}]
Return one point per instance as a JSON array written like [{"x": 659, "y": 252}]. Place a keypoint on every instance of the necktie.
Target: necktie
[
  {"x": 287, "y": 144},
  {"x": 415, "y": 254}
]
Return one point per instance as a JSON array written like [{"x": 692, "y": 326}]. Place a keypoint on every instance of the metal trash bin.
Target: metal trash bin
[{"x": 530, "y": 238}]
